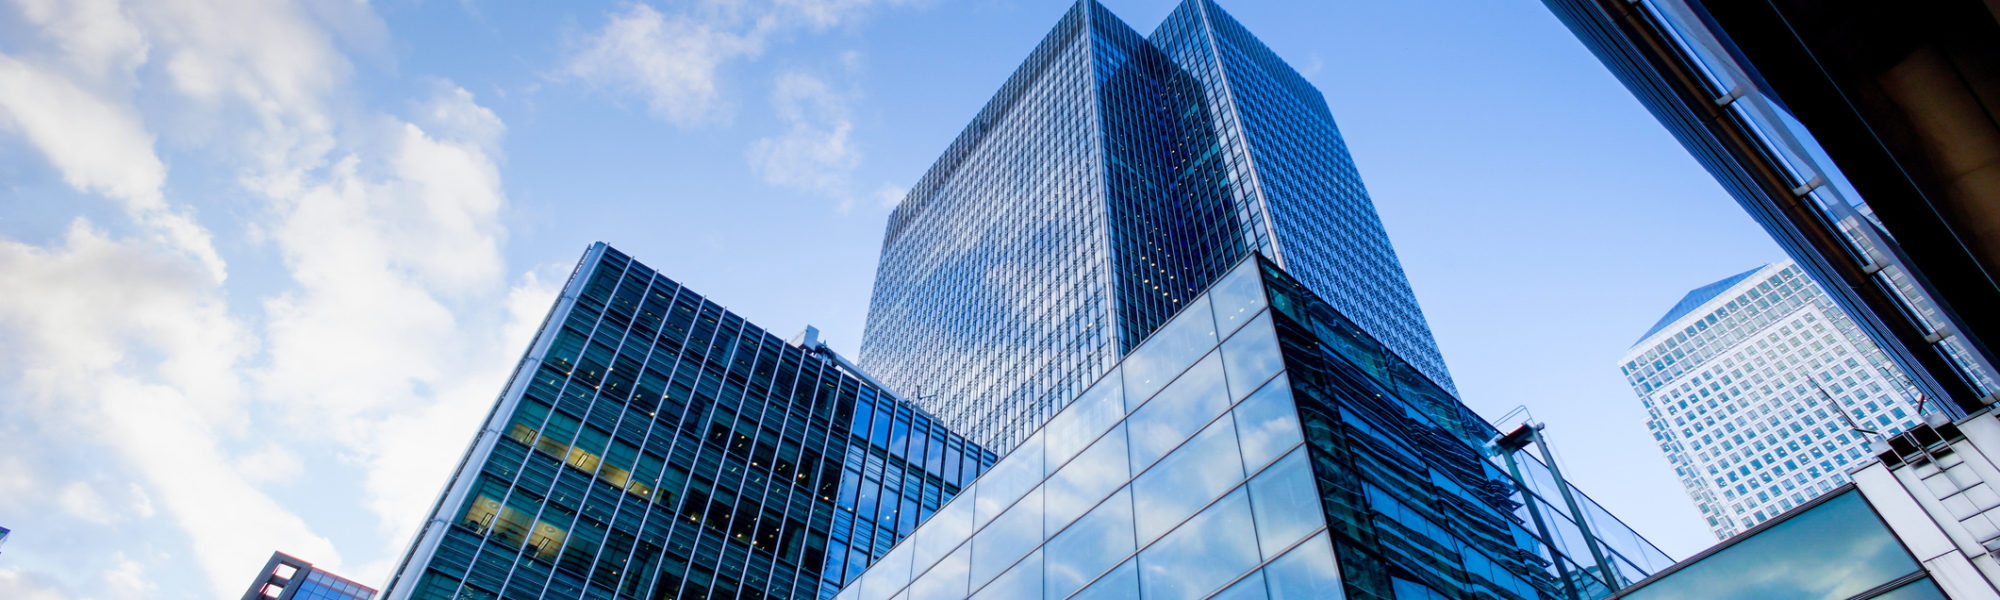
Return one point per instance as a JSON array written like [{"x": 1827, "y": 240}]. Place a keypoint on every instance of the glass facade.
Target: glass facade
[
  {"x": 1112, "y": 178},
  {"x": 1836, "y": 548},
  {"x": 1260, "y": 445},
  {"x": 653, "y": 445},
  {"x": 286, "y": 577},
  {"x": 318, "y": 585},
  {"x": 1754, "y": 386}
]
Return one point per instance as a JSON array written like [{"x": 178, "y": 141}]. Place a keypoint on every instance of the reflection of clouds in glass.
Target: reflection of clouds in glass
[
  {"x": 1834, "y": 550},
  {"x": 1083, "y": 481},
  {"x": 1202, "y": 554},
  {"x": 1187, "y": 479},
  {"x": 1177, "y": 412}
]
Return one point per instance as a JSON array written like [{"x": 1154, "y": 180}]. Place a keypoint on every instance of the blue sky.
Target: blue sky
[{"x": 267, "y": 263}]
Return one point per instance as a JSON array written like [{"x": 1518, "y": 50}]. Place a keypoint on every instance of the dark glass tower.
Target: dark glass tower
[
  {"x": 1260, "y": 445},
  {"x": 1112, "y": 178},
  {"x": 652, "y": 445}
]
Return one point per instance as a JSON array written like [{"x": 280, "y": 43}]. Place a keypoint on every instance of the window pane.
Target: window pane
[
  {"x": 1096, "y": 542},
  {"x": 1187, "y": 479},
  {"x": 1251, "y": 356},
  {"x": 1921, "y": 589},
  {"x": 1172, "y": 348},
  {"x": 1088, "y": 416},
  {"x": 1306, "y": 573},
  {"x": 1023, "y": 582},
  {"x": 1121, "y": 584},
  {"x": 946, "y": 581},
  {"x": 1087, "y": 479},
  {"x": 1013, "y": 534},
  {"x": 1177, "y": 412},
  {"x": 1268, "y": 423},
  {"x": 1834, "y": 550},
  {"x": 1286, "y": 502},
  {"x": 1237, "y": 296},
  {"x": 1019, "y": 472},
  {"x": 1207, "y": 551},
  {"x": 1250, "y": 588},
  {"x": 883, "y": 578},
  {"x": 944, "y": 531}
]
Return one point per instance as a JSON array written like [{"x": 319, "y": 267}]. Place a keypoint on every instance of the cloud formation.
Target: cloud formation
[
  {"x": 383, "y": 333},
  {"x": 814, "y": 153}
]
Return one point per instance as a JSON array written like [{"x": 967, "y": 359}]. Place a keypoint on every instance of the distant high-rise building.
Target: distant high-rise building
[
  {"x": 286, "y": 577},
  {"x": 1261, "y": 445},
  {"x": 1861, "y": 134},
  {"x": 653, "y": 445},
  {"x": 1109, "y": 181},
  {"x": 1755, "y": 387}
]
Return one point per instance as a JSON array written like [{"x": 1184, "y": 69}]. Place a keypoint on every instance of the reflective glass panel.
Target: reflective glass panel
[
  {"x": 1093, "y": 544},
  {"x": 1121, "y": 583},
  {"x": 1306, "y": 573},
  {"x": 1286, "y": 502},
  {"x": 1023, "y": 582},
  {"x": 888, "y": 575},
  {"x": 1087, "y": 479},
  {"x": 1078, "y": 425},
  {"x": 1020, "y": 471},
  {"x": 1251, "y": 356},
  {"x": 945, "y": 530},
  {"x": 1204, "y": 553},
  {"x": 1921, "y": 589},
  {"x": 1186, "y": 480},
  {"x": 1172, "y": 348},
  {"x": 946, "y": 581},
  {"x": 1268, "y": 423},
  {"x": 1250, "y": 588},
  {"x": 1013, "y": 534},
  {"x": 1177, "y": 412},
  {"x": 1237, "y": 297},
  {"x": 1833, "y": 550}
]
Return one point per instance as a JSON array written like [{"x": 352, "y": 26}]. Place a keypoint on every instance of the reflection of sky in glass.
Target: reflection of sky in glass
[
  {"x": 1834, "y": 550},
  {"x": 1921, "y": 589}
]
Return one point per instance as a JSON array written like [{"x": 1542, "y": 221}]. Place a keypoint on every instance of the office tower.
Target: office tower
[
  {"x": 1918, "y": 523},
  {"x": 653, "y": 445},
  {"x": 3, "y": 535},
  {"x": 1111, "y": 178},
  {"x": 1755, "y": 387},
  {"x": 1860, "y": 134},
  {"x": 286, "y": 577},
  {"x": 1262, "y": 445}
]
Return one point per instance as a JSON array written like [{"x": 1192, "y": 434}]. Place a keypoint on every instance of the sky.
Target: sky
[{"x": 265, "y": 264}]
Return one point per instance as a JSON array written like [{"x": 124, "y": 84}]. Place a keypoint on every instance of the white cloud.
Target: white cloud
[
  {"x": 671, "y": 62},
  {"x": 127, "y": 579},
  {"x": 99, "y": 146},
  {"x": 20, "y": 584},
  {"x": 275, "y": 464},
  {"x": 676, "y": 61},
  {"x": 890, "y": 195},
  {"x": 814, "y": 153},
  {"x": 131, "y": 343},
  {"x": 80, "y": 500},
  {"x": 95, "y": 36}
]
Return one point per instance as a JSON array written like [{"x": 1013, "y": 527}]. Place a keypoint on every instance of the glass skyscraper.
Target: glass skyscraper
[
  {"x": 1112, "y": 178},
  {"x": 652, "y": 445},
  {"x": 1754, "y": 386},
  {"x": 1262, "y": 445}
]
